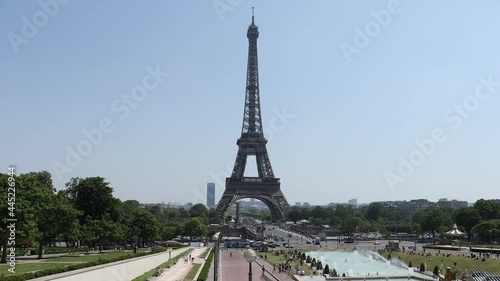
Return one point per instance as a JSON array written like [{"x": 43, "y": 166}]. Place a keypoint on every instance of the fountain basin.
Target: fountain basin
[{"x": 363, "y": 265}]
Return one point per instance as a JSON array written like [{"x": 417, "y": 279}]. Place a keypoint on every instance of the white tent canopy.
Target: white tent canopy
[{"x": 455, "y": 232}]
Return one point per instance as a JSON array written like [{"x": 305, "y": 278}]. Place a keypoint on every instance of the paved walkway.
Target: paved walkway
[
  {"x": 235, "y": 267},
  {"x": 118, "y": 271},
  {"x": 181, "y": 268}
]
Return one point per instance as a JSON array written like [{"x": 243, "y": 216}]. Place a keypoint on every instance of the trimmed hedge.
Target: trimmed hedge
[
  {"x": 206, "y": 268},
  {"x": 54, "y": 250},
  {"x": 56, "y": 270},
  {"x": 456, "y": 248}
]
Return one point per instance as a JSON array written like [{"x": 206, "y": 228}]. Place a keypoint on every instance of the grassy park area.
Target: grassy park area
[
  {"x": 23, "y": 266},
  {"x": 28, "y": 269},
  {"x": 192, "y": 273},
  {"x": 490, "y": 265}
]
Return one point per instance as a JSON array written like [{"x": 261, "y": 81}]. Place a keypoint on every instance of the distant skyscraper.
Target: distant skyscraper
[
  {"x": 210, "y": 194},
  {"x": 353, "y": 202}
]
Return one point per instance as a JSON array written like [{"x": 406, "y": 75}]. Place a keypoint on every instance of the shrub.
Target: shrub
[
  {"x": 327, "y": 269},
  {"x": 436, "y": 270},
  {"x": 319, "y": 266}
]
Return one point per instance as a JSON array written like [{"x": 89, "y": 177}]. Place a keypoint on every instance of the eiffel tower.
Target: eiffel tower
[{"x": 265, "y": 187}]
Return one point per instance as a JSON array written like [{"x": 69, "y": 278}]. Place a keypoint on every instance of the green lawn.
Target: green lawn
[
  {"x": 491, "y": 265},
  {"x": 277, "y": 260},
  {"x": 27, "y": 267},
  {"x": 23, "y": 266},
  {"x": 205, "y": 254},
  {"x": 192, "y": 273},
  {"x": 87, "y": 258}
]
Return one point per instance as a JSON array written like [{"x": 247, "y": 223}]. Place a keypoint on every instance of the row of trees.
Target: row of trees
[
  {"x": 87, "y": 211},
  {"x": 482, "y": 220},
  {"x": 371, "y": 218}
]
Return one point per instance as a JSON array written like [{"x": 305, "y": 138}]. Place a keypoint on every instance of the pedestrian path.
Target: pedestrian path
[
  {"x": 117, "y": 271},
  {"x": 235, "y": 267},
  {"x": 179, "y": 270}
]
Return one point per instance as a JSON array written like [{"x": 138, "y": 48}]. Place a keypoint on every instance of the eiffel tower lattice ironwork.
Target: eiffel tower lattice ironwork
[{"x": 265, "y": 187}]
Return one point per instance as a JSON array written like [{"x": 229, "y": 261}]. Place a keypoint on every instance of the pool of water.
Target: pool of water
[{"x": 364, "y": 263}]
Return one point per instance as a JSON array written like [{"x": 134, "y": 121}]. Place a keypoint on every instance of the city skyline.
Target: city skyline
[{"x": 365, "y": 100}]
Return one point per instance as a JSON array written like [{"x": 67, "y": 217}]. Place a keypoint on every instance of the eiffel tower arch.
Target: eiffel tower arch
[{"x": 265, "y": 187}]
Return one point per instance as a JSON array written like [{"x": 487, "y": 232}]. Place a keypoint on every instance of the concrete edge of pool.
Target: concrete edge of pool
[{"x": 399, "y": 277}]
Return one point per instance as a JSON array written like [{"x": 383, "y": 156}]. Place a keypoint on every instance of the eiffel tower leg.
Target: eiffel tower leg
[{"x": 224, "y": 203}]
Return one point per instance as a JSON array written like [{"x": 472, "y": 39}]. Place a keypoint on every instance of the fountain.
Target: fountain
[{"x": 366, "y": 265}]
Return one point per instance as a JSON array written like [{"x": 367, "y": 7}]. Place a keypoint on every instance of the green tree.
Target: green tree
[
  {"x": 146, "y": 226},
  {"x": 213, "y": 216},
  {"x": 194, "y": 228},
  {"x": 94, "y": 197},
  {"x": 157, "y": 212},
  {"x": 483, "y": 230},
  {"x": 36, "y": 191},
  {"x": 198, "y": 211},
  {"x": 167, "y": 233},
  {"x": 488, "y": 209},
  {"x": 467, "y": 218},
  {"x": 432, "y": 219},
  {"x": 7, "y": 186},
  {"x": 172, "y": 215},
  {"x": 56, "y": 219},
  {"x": 101, "y": 232},
  {"x": 327, "y": 269},
  {"x": 374, "y": 211},
  {"x": 295, "y": 215}
]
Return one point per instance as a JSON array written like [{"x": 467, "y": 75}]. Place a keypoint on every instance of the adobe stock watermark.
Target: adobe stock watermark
[
  {"x": 363, "y": 37},
  {"x": 30, "y": 28},
  {"x": 277, "y": 124},
  {"x": 223, "y": 6},
  {"x": 454, "y": 117},
  {"x": 121, "y": 108}
]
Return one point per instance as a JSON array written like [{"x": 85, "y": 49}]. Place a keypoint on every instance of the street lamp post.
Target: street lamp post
[
  {"x": 416, "y": 238},
  {"x": 250, "y": 257},
  {"x": 216, "y": 238},
  {"x": 491, "y": 244}
]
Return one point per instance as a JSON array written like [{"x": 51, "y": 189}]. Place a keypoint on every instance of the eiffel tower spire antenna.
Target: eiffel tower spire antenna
[
  {"x": 252, "y": 16},
  {"x": 265, "y": 187}
]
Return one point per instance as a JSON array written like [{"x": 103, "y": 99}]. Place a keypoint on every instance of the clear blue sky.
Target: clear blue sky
[{"x": 352, "y": 120}]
